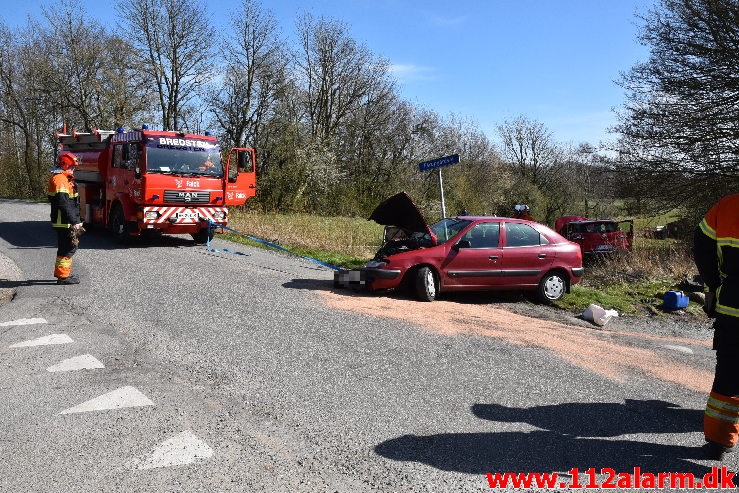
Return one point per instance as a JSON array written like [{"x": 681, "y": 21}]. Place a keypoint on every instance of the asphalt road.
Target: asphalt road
[{"x": 175, "y": 368}]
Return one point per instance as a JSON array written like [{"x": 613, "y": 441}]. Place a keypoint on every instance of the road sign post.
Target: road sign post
[{"x": 438, "y": 164}]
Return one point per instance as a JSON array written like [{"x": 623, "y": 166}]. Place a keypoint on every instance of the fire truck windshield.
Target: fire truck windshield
[{"x": 194, "y": 158}]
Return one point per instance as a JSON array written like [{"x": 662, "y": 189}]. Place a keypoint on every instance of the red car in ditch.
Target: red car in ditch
[
  {"x": 465, "y": 253},
  {"x": 597, "y": 236}
]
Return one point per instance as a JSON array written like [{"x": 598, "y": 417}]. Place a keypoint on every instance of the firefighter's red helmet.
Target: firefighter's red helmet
[{"x": 66, "y": 160}]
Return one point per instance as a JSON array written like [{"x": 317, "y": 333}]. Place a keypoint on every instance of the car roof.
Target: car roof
[{"x": 494, "y": 218}]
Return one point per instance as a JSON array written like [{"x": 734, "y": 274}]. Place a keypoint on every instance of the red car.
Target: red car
[
  {"x": 597, "y": 236},
  {"x": 466, "y": 253}
]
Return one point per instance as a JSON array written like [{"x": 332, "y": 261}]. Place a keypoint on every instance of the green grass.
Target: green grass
[
  {"x": 632, "y": 284},
  {"x": 339, "y": 241}
]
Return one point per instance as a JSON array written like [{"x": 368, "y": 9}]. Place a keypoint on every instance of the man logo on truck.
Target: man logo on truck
[{"x": 188, "y": 196}]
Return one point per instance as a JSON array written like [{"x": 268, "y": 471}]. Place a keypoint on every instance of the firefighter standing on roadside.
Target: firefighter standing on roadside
[
  {"x": 65, "y": 215},
  {"x": 522, "y": 212},
  {"x": 716, "y": 250}
]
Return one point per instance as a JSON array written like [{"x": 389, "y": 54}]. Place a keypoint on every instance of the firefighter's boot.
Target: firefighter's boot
[{"x": 68, "y": 280}]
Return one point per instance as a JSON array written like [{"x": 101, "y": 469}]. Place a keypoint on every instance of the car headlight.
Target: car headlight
[
  {"x": 220, "y": 215},
  {"x": 151, "y": 215},
  {"x": 373, "y": 264}
]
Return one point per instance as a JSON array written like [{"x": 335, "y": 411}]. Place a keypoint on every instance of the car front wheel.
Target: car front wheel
[
  {"x": 425, "y": 284},
  {"x": 552, "y": 287}
]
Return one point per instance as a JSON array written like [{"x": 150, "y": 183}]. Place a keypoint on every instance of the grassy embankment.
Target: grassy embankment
[{"x": 631, "y": 284}]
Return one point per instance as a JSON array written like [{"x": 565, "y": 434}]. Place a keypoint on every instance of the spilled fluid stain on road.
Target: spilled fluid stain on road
[{"x": 611, "y": 354}]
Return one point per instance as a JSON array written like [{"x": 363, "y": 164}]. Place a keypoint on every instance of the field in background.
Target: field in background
[
  {"x": 630, "y": 283},
  {"x": 343, "y": 241}
]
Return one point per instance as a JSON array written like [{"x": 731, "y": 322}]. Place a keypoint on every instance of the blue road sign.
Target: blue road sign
[{"x": 438, "y": 163}]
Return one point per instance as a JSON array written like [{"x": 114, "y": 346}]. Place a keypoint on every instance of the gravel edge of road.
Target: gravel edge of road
[{"x": 9, "y": 273}]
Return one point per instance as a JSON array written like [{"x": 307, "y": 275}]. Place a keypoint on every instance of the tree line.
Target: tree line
[{"x": 332, "y": 132}]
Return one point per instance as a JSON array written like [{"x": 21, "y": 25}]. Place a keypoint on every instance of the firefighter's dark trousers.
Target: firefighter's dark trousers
[
  {"x": 721, "y": 421},
  {"x": 66, "y": 248}
]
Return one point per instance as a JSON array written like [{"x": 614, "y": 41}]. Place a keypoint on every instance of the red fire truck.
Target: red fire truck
[{"x": 150, "y": 181}]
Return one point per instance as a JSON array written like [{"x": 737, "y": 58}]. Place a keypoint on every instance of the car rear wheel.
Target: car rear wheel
[
  {"x": 552, "y": 287},
  {"x": 426, "y": 285}
]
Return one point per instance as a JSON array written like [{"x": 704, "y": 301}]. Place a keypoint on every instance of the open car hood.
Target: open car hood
[{"x": 399, "y": 210}]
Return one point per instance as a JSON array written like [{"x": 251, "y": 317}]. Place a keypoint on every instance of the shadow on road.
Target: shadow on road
[
  {"x": 4, "y": 283},
  {"x": 40, "y": 234},
  {"x": 600, "y": 419},
  {"x": 565, "y": 442}
]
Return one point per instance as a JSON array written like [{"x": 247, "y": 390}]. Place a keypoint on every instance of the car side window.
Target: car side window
[
  {"x": 520, "y": 235},
  {"x": 484, "y": 235}
]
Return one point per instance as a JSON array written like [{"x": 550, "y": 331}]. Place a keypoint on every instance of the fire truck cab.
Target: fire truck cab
[{"x": 139, "y": 181}]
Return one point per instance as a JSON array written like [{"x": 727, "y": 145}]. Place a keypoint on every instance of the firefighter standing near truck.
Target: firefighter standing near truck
[
  {"x": 522, "y": 212},
  {"x": 65, "y": 215},
  {"x": 716, "y": 250}
]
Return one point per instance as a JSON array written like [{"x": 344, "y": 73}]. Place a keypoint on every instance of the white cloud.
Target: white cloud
[{"x": 409, "y": 72}]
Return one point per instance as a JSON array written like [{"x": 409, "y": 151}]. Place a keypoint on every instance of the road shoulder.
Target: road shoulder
[{"x": 10, "y": 274}]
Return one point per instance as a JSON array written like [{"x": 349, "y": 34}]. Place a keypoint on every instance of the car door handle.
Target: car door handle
[
  {"x": 493, "y": 257},
  {"x": 542, "y": 255}
]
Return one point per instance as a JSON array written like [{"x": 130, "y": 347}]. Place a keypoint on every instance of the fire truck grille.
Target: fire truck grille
[{"x": 183, "y": 197}]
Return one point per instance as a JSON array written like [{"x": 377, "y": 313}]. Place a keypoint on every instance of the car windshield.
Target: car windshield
[
  {"x": 446, "y": 229},
  {"x": 599, "y": 227},
  {"x": 197, "y": 158}
]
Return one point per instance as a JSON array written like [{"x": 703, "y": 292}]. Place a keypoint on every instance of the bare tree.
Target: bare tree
[
  {"x": 174, "y": 41},
  {"x": 25, "y": 122},
  {"x": 679, "y": 125},
  {"x": 530, "y": 147},
  {"x": 86, "y": 85},
  {"x": 337, "y": 74},
  {"x": 542, "y": 167},
  {"x": 254, "y": 75}
]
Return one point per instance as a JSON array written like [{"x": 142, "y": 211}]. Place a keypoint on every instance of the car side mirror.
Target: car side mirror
[{"x": 462, "y": 244}]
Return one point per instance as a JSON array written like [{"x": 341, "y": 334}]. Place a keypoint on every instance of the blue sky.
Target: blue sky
[{"x": 552, "y": 61}]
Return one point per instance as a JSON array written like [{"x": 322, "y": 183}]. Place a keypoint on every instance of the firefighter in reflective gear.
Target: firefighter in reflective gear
[
  {"x": 65, "y": 215},
  {"x": 716, "y": 251}
]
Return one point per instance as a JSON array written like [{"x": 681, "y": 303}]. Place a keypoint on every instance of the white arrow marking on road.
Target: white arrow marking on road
[
  {"x": 117, "y": 399},
  {"x": 84, "y": 362},
  {"x": 180, "y": 450},
  {"x": 681, "y": 349},
  {"x": 45, "y": 341},
  {"x": 23, "y": 321}
]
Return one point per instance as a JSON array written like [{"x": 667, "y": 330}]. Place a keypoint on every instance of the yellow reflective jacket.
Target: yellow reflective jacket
[
  {"x": 716, "y": 251},
  {"x": 65, "y": 202}
]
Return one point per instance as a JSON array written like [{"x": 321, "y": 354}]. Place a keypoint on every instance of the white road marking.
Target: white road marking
[
  {"x": 180, "y": 450},
  {"x": 681, "y": 349},
  {"x": 23, "y": 321},
  {"x": 45, "y": 341},
  {"x": 117, "y": 399},
  {"x": 84, "y": 362}
]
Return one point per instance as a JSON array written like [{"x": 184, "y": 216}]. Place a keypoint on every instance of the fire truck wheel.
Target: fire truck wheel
[{"x": 118, "y": 225}]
